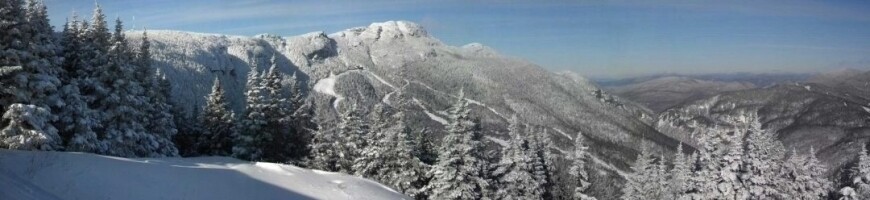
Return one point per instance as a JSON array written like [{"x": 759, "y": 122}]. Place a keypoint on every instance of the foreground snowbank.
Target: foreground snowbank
[{"x": 65, "y": 175}]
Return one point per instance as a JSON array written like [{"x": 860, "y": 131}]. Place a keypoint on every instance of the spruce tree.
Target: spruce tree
[
  {"x": 515, "y": 167},
  {"x": 763, "y": 154},
  {"x": 458, "y": 173},
  {"x": 27, "y": 128},
  {"x": 580, "y": 176},
  {"x": 680, "y": 174},
  {"x": 860, "y": 188},
  {"x": 324, "y": 150},
  {"x": 801, "y": 177},
  {"x": 352, "y": 131},
  {"x": 218, "y": 123},
  {"x": 640, "y": 184},
  {"x": 247, "y": 144}
]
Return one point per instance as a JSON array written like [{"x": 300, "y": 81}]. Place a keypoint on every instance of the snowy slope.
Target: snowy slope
[
  {"x": 49, "y": 175},
  {"x": 365, "y": 66}
]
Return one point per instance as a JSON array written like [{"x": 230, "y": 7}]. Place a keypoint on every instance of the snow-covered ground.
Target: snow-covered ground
[{"x": 65, "y": 175}]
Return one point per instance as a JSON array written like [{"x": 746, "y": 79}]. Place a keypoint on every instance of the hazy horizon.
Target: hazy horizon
[{"x": 600, "y": 39}]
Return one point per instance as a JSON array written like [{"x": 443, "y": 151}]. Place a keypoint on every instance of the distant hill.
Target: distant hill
[{"x": 665, "y": 92}]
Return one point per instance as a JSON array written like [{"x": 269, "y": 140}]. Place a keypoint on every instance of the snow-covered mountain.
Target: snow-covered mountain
[
  {"x": 364, "y": 66},
  {"x": 832, "y": 120},
  {"x": 43, "y": 175},
  {"x": 665, "y": 92}
]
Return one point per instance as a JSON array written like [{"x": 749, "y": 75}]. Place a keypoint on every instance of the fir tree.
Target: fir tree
[
  {"x": 641, "y": 183},
  {"x": 218, "y": 123},
  {"x": 515, "y": 168},
  {"x": 253, "y": 121},
  {"x": 458, "y": 173},
  {"x": 352, "y": 131},
  {"x": 801, "y": 178},
  {"x": 860, "y": 188},
  {"x": 28, "y": 129},
  {"x": 324, "y": 150},
  {"x": 763, "y": 154},
  {"x": 578, "y": 172},
  {"x": 680, "y": 174}
]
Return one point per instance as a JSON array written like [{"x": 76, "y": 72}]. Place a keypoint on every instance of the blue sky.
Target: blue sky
[{"x": 602, "y": 39}]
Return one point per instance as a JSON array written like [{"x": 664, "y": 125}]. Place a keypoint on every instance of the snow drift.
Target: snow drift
[{"x": 67, "y": 175}]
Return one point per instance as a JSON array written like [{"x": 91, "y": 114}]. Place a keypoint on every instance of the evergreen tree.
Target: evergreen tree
[
  {"x": 28, "y": 129},
  {"x": 280, "y": 136},
  {"x": 400, "y": 168},
  {"x": 802, "y": 178},
  {"x": 458, "y": 172},
  {"x": 729, "y": 185},
  {"x": 218, "y": 123},
  {"x": 641, "y": 183},
  {"x": 246, "y": 145},
  {"x": 125, "y": 134},
  {"x": 76, "y": 120},
  {"x": 763, "y": 154},
  {"x": 324, "y": 150},
  {"x": 680, "y": 174},
  {"x": 13, "y": 50},
  {"x": 860, "y": 188},
  {"x": 351, "y": 136},
  {"x": 578, "y": 172},
  {"x": 542, "y": 168},
  {"x": 424, "y": 148},
  {"x": 372, "y": 156},
  {"x": 515, "y": 168}
]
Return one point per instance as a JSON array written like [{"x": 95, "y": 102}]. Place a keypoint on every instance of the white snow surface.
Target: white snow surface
[
  {"x": 327, "y": 86},
  {"x": 50, "y": 175}
]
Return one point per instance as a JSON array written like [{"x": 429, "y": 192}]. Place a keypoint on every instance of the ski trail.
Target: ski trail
[
  {"x": 471, "y": 101},
  {"x": 564, "y": 134},
  {"x": 497, "y": 141},
  {"x": 327, "y": 86},
  {"x": 431, "y": 116},
  {"x": 599, "y": 161}
]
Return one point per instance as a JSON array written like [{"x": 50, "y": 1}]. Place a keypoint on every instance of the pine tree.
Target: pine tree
[
  {"x": 218, "y": 123},
  {"x": 28, "y": 129},
  {"x": 578, "y": 169},
  {"x": 515, "y": 168},
  {"x": 458, "y": 173},
  {"x": 707, "y": 167}
]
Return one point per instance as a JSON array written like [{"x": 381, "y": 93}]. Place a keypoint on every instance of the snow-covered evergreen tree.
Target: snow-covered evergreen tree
[
  {"x": 280, "y": 136},
  {"x": 246, "y": 145},
  {"x": 218, "y": 123},
  {"x": 579, "y": 175},
  {"x": 729, "y": 185},
  {"x": 13, "y": 49},
  {"x": 27, "y": 128},
  {"x": 542, "y": 166},
  {"x": 76, "y": 120},
  {"x": 352, "y": 132},
  {"x": 458, "y": 174},
  {"x": 860, "y": 185},
  {"x": 707, "y": 166},
  {"x": 515, "y": 167},
  {"x": 372, "y": 155},
  {"x": 680, "y": 174},
  {"x": 324, "y": 150},
  {"x": 399, "y": 168},
  {"x": 801, "y": 177},
  {"x": 643, "y": 182},
  {"x": 763, "y": 154}
]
